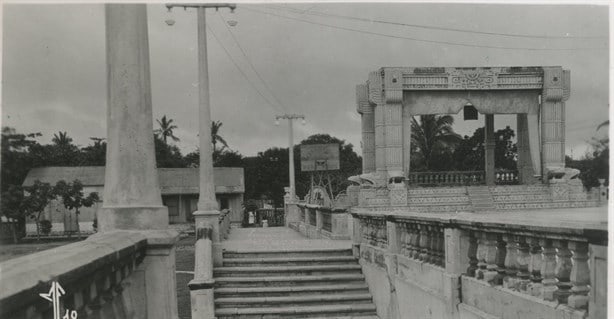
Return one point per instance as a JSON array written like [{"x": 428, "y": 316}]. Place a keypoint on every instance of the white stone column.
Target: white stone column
[
  {"x": 375, "y": 98},
  {"x": 131, "y": 193},
  {"x": 208, "y": 210},
  {"x": 524, "y": 164},
  {"x": 367, "y": 116},
  {"x": 489, "y": 149},
  {"x": 132, "y": 198},
  {"x": 393, "y": 123},
  {"x": 554, "y": 95}
]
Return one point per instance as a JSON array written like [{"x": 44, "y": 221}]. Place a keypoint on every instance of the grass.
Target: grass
[{"x": 10, "y": 251}]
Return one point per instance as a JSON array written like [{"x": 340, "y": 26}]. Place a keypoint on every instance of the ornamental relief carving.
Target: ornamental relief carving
[{"x": 473, "y": 79}]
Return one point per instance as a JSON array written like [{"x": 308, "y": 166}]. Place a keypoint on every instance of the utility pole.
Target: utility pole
[{"x": 290, "y": 118}]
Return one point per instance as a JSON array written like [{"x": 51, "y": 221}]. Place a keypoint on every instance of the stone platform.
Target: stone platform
[{"x": 277, "y": 239}]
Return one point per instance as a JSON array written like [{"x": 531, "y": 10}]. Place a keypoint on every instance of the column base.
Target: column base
[{"x": 132, "y": 218}]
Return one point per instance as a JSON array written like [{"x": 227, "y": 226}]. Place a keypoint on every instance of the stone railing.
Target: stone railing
[
  {"x": 117, "y": 274},
  {"x": 506, "y": 177},
  {"x": 533, "y": 267},
  {"x": 224, "y": 223},
  {"x": 445, "y": 178},
  {"x": 316, "y": 221}
]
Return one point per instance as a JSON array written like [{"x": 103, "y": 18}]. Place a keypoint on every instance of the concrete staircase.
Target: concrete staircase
[
  {"x": 481, "y": 198},
  {"x": 292, "y": 284}
]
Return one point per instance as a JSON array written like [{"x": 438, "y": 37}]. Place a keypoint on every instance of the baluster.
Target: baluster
[
  {"x": 524, "y": 259},
  {"x": 563, "y": 271},
  {"x": 500, "y": 260},
  {"x": 434, "y": 234},
  {"x": 384, "y": 232},
  {"x": 509, "y": 281},
  {"x": 535, "y": 266},
  {"x": 415, "y": 241},
  {"x": 424, "y": 243},
  {"x": 481, "y": 255},
  {"x": 471, "y": 253},
  {"x": 490, "y": 257},
  {"x": 409, "y": 240},
  {"x": 402, "y": 233},
  {"x": 548, "y": 269},
  {"x": 441, "y": 249},
  {"x": 580, "y": 275}
]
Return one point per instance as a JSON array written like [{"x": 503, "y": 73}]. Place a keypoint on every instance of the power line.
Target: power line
[
  {"x": 422, "y": 40},
  {"x": 431, "y": 27},
  {"x": 250, "y": 63},
  {"x": 241, "y": 71}
]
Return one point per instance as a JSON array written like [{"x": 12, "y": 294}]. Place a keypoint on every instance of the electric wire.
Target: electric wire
[
  {"x": 241, "y": 70},
  {"x": 250, "y": 63},
  {"x": 423, "y": 40},
  {"x": 430, "y": 27}
]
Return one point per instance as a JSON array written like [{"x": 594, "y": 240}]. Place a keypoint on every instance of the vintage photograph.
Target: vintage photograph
[{"x": 360, "y": 160}]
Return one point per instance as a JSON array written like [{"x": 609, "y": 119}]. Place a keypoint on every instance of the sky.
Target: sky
[{"x": 306, "y": 61}]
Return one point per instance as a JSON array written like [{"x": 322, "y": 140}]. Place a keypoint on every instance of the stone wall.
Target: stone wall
[
  {"x": 420, "y": 265},
  {"x": 315, "y": 221},
  {"x": 109, "y": 275}
]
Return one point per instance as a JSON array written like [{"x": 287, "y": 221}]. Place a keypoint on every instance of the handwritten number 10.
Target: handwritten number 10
[{"x": 73, "y": 314}]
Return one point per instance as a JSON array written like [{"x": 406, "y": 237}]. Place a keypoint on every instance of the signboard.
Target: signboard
[{"x": 319, "y": 157}]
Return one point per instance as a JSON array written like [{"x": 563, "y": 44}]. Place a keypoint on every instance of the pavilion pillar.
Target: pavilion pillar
[
  {"x": 489, "y": 149},
  {"x": 393, "y": 123},
  {"x": 375, "y": 98},
  {"x": 131, "y": 196},
  {"x": 554, "y": 94},
  {"x": 524, "y": 163},
  {"x": 367, "y": 116}
]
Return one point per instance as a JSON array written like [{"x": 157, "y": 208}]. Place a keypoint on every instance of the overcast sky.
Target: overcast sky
[{"x": 53, "y": 68}]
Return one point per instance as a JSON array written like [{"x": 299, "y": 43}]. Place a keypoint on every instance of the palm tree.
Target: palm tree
[
  {"x": 166, "y": 129},
  {"x": 61, "y": 139},
  {"x": 433, "y": 132},
  {"x": 215, "y": 136}
]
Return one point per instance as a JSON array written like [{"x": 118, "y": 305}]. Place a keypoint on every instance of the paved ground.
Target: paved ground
[{"x": 276, "y": 238}]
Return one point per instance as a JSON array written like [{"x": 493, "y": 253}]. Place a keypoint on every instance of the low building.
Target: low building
[{"x": 178, "y": 186}]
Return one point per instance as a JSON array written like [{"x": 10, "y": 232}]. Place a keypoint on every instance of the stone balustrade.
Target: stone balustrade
[
  {"x": 554, "y": 269},
  {"x": 316, "y": 221},
  {"x": 108, "y": 275},
  {"x": 446, "y": 178},
  {"x": 506, "y": 177}
]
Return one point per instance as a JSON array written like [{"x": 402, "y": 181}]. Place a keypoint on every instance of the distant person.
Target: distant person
[{"x": 250, "y": 218}]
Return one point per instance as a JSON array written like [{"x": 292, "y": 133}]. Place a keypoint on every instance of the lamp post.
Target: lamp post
[
  {"x": 207, "y": 214},
  {"x": 290, "y": 118}
]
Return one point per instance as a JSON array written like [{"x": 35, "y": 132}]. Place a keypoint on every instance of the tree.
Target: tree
[
  {"x": 61, "y": 139},
  {"x": 469, "y": 154},
  {"x": 11, "y": 206},
  {"x": 72, "y": 197},
  {"x": 36, "y": 198},
  {"x": 433, "y": 137},
  {"x": 168, "y": 155},
  {"x": 94, "y": 154},
  {"x": 215, "y": 136},
  {"x": 166, "y": 129},
  {"x": 595, "y": 164},
  {"x": 16, "y": 159}
]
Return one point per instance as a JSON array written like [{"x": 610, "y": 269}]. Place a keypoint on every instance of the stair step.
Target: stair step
[
  {"x": 293, "y": 290},
  {"x": 234, "y": 254},
  {"x": 286, "y": 280},
  {"x": 325, "y": 311},
  {"x": 288, "y": 260},
  {"x": 322, "y": 299},
  {"x": 284, "y": 270}
]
